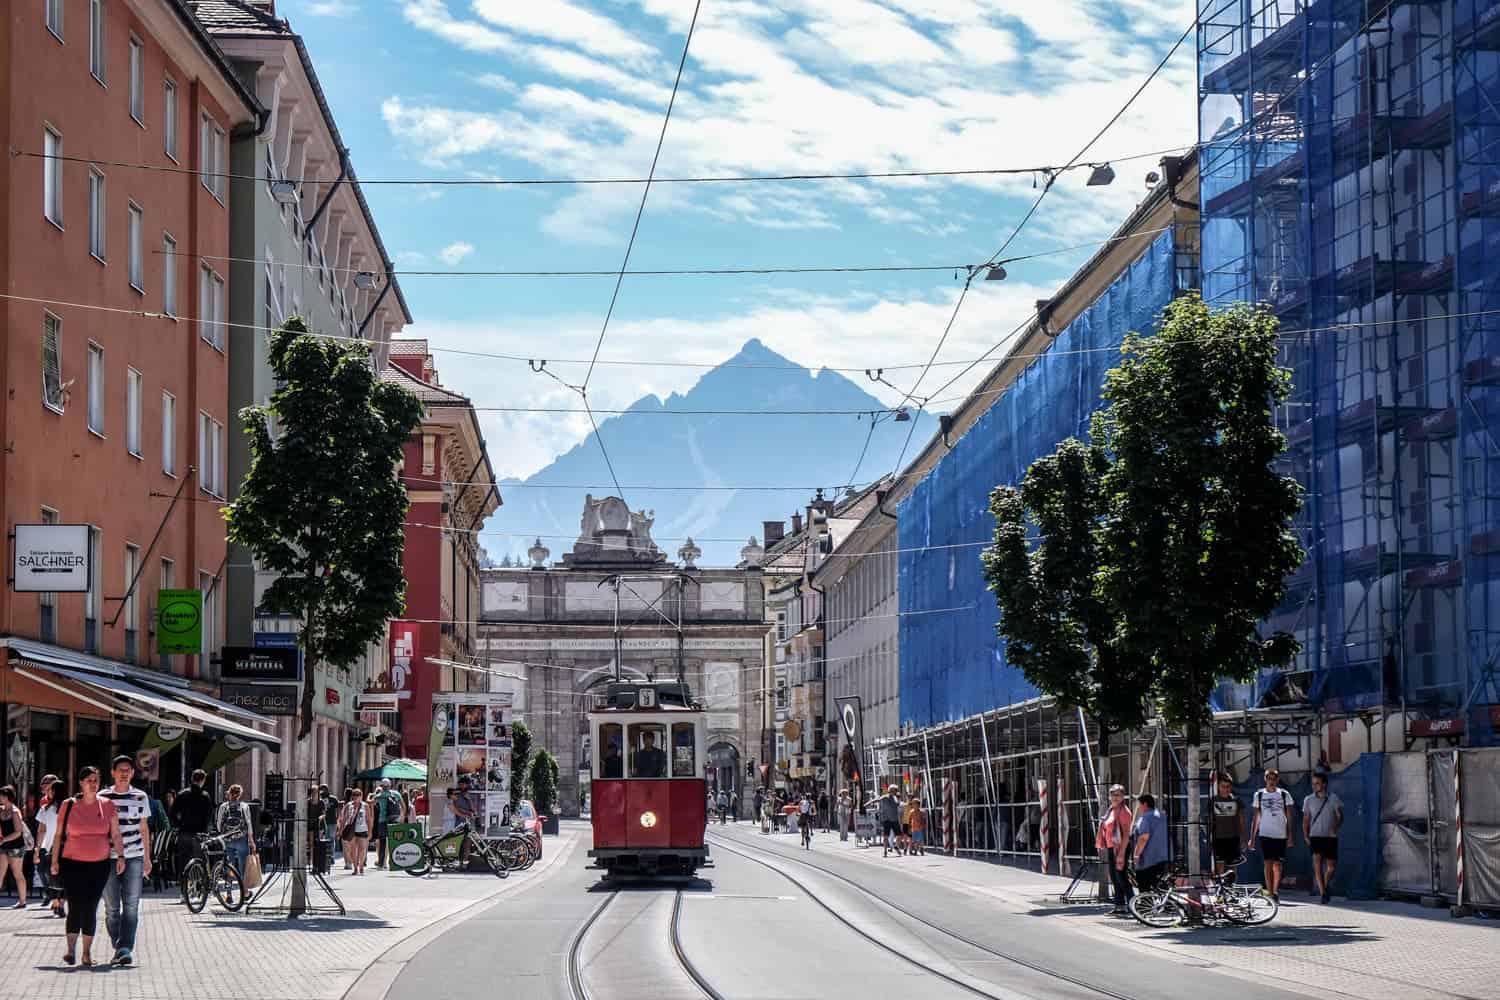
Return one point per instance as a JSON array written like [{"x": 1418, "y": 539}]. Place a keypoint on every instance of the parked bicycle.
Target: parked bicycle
[
  {"x": 451, "y": 851},
  {"x": 1212, "y": 899},
  {"x": 211, "y": 871}
]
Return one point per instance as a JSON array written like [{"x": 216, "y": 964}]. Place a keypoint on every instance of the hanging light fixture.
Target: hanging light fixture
[
  {"x": 1102, "y": 174},
  {"x": 285, "y": 192}
]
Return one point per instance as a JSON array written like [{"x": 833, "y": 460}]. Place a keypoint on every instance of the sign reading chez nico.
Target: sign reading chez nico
[
  {"x": 267, "y": 699},
  {"x": 260, "y": 663},
  {"x": 179, "y": 621},
  {"x": 51, "y": 557}
]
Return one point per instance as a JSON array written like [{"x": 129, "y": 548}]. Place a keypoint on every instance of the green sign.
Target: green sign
[
  {"x": 405, "y": 842},
  {"x": 179, "y": 621}
]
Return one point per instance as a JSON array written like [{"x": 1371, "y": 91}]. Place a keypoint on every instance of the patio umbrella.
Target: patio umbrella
[{"x": 399, "y": 769}]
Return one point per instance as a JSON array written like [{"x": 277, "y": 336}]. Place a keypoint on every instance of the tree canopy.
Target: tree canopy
[{"x": 322, "y": 506}]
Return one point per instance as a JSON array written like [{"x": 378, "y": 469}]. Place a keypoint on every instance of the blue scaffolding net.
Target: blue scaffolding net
[{"x": 952, "y": 662}]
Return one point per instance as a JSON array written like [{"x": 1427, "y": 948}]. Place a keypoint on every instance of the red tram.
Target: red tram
[{"x": 648, "y": 790}]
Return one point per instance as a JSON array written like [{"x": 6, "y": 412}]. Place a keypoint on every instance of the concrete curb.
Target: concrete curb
[{"x": 382, "y": 973}]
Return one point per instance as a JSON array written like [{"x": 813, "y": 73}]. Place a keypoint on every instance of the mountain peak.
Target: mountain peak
[{"x": 755, "y": 352}]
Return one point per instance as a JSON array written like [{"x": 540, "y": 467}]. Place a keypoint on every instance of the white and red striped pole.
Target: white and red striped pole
[
  {"x": 1062, "y": 826},
  {"x": 1041, "y": 785},
  {"x": 1458, "y": 824}
]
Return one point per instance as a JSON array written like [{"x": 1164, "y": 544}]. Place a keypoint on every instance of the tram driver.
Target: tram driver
[
  {"x": 613, "y": 765},
  {"x": 650, "y": 760}
]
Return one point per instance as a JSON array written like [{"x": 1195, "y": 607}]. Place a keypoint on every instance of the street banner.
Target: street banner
[
  {"x": 179, "y": 621},
  {"x": 163, "y": 738},
  {"x": 852, "y": 722},
  {"x": 224, "y": 751},
  {"x": 471, "y": 738}
]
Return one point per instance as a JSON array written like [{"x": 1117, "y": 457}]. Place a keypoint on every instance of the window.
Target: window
[
  {"x": 133, "y": 412},
  {"x": 137, "y": 80},
  {"x": 211, "y": 167},
  {"x": 91, "y": 598},
  {"x": 429, "y": 454},
  {"x": 52, "y": 151},
  {"x": 169, "y": 275},
  {"x": 48, "y": 601},
  {"x": 610, "y": 749},
  {"x": 211, "y": 455},
  {"x": 52, "y": 389},
  {"x": 169, "y": 433},
  {"x": 132, "y": 562},
  {"x": 168, "y": 581},
  {"x": 208, "y": 585},
  {"x": 54, "y": 17},
  {"x": 96, "y": 213},
  {"x": 96, "y": 39},
  {"x": 96, "y": 389},
  {"x": 211, "y": 307},
  {"x": 135, "y": 261},
  {"x": 684, "y": 750},
  {"x": 647, "y": 758},
  {"x": 169, "y": 118}
]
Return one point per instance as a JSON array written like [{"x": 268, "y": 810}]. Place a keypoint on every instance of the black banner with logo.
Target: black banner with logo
[
  {"x": 261, "y": 663},
  {"x": 851, "y": 763}
]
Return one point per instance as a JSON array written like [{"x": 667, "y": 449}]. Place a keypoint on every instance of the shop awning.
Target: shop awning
[
  {"x": 99, "y": 680},
  {"x": 399, "y": 769}
]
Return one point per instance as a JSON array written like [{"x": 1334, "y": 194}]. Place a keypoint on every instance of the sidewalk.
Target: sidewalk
[
  {"x": 231, "y": 956},
  {"x": 1381, "y": 950}
]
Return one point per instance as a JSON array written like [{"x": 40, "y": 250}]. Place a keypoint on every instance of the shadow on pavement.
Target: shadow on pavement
[
  {"x": 271, "y": 922},
  {"x": 1269, "y": 937}
]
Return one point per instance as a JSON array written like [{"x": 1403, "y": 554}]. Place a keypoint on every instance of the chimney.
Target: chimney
[
  {"x": 772, "y": 532},
  {"x": 796, "y": 523}
]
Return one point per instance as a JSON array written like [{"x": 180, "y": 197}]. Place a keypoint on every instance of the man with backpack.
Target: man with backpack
[{"x": 1271, "y": 821}]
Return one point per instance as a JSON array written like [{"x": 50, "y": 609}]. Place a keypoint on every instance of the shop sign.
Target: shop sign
[
  {"x": 331, "y": 695},
  {"x": 1438, "y": 727},
  {"x": 51, "y": 558},
  {"x": 179, "y": 621},
  {"x": 276, "y": 640},
  {"x": 250, "y": 663},
  {"x": 263, "y": 699},
  {"x": 377, "y": 701}
]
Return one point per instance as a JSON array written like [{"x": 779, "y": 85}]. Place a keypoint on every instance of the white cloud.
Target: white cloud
[
  {"x": 410, "y": 257},
  {"x": 561, "y": 21},
  {"x": 331, "y": 8},
  {"x": 433, "y": 16},
  {"x": 454, "y": 253}
]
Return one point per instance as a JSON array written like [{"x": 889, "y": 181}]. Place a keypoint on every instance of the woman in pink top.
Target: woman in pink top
[
  {"x": 1113, "y": 841},
  {"x": 87, "y": 828}
]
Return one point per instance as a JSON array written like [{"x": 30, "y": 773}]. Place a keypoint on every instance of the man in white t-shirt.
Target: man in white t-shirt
[
  {"x": 122, "y": 893},
  {"x": 1322, "y": 815},
  {"x": 1271, "y": 821}
]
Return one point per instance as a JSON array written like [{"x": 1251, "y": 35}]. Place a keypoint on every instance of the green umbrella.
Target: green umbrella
[{"x": 400, "y": 769}]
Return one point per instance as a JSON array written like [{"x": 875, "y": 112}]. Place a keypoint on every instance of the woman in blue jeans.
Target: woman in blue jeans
[{"x": 234, "y": 822}]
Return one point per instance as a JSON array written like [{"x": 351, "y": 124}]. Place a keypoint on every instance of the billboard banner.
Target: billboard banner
[
  {"x": 470, "y": 739},
  {"x": 51, "y": 558},
  {"x": 179, "y": 621},
  {"x": 405, "y": 638},
  {"x": 852, "y": 753}
]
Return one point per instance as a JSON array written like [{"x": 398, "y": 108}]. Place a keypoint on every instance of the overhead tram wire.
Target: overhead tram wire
[
  {"x": 595, "y": 181},
  {"x": 1036, "y": 203},
  {"x": 583, "y": 389}
]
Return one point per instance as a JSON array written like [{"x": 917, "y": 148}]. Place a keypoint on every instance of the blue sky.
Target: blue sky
[{"x": 451, "y": 89}]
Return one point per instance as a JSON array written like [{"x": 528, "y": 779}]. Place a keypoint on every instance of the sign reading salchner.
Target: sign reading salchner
[{"x": 52, "y": 558}]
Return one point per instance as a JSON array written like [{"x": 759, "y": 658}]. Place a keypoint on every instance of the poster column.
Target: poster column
[{"x": 469, "y": 740}]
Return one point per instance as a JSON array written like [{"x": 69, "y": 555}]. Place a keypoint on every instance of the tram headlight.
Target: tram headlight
[{"x": 648, "y": 819}]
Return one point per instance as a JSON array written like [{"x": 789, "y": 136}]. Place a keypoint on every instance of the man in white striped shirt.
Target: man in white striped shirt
[{"x": 122, "y": 893}]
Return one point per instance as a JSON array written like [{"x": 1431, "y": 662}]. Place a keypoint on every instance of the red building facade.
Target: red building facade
[{"x": 452, "y": 489}]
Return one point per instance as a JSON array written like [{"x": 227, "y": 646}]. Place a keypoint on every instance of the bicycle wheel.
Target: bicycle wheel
[
  {"x": 229, "y": 886},
  {"x": 1251, "y": 908},
  {"x": 422, "y": 867},
  {"x": 1156, "y": 909},
  {"x": 497, "y": 861},
  {"x": 195, "y": 885},
  {"x": 514, "y": 851}
]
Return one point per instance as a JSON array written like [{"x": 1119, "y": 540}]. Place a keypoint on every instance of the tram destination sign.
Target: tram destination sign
[{"x": 51, "y": 558}]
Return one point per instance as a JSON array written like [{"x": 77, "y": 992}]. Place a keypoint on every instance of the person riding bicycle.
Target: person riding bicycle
[
  {"x": 807, "y": 812},
  {"x": 722, "y": 804}
]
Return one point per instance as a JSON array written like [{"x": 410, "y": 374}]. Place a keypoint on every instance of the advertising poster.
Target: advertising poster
[{"x": 470, "y": 739}]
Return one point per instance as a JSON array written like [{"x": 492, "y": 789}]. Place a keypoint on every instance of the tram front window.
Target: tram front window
[
  {"x": 684, "y": 764},
  {"x": 649, "y": 759},
  {"x": 612, "y": 736}
]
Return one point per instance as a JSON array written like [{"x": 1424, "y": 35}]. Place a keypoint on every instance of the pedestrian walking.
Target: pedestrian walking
[
  {"x": 734, "y": 807},
  {"x": 721, "y": 803},
  {"x": 767, "y": 806},
  {"x": 356, "y": 823},
  {"x": 88, "y": 833},
  {"x": 825, "y": 813},
  {"x": 918, "y": 822},
  {"x": 1271, "y": 822},
  {"x": 233, "y": 821},
  {"x": 122, "y": 893},
  {"x": 844, "y": 810},
  {"x": 46, "y": 836},
  {"x": 889, "y": 813},
  {"x": 191, "y": 816},
  {"x": 758, "y": 801},
  {"x": 342, "y": 835},
  {"x": 1113, "y": 842},
  {"x": 1227, "y": 825},
  {"x": 1151, "y": 851},
  {"x": 1322, "y": 815},
  {"x": 15, "y": 843},
  {"x": 388, "y": 809},
  {"x": 328, "y": 807}
]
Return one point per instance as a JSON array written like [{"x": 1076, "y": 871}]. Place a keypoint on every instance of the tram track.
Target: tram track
[
  {"x": 577, "y": 986},
  {"x": 916, "y": 918}
]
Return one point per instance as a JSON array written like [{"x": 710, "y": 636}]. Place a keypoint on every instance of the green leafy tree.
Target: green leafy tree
[
  {"x": 1165, "y": 541},
  {"x": 1197, "y": 534},
  {"x": 1059, "y": 629},
  {"x": 322, "y": 506},
  {"x": 544, "y": 782},
  {"x": 520, "y": 762}
]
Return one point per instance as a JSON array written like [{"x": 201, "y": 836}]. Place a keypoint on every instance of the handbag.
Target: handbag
[{"x": 252, "y": 876}]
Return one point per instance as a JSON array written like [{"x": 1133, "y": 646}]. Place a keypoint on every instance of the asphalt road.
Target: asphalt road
[{"x": 776, "y": 925}]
